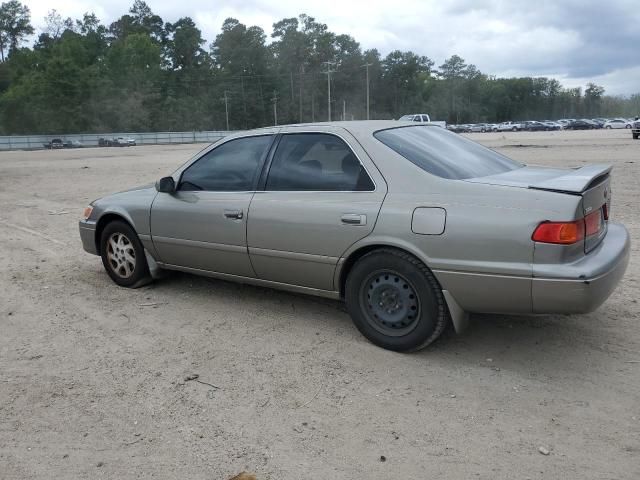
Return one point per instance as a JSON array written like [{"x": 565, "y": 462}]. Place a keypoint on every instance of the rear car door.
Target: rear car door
[
  {"x": 321, "y": 193},
  {"x": 202, "y": 225}
]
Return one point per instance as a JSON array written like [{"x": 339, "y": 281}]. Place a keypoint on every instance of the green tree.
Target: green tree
[{"x": 15, "y": 26}]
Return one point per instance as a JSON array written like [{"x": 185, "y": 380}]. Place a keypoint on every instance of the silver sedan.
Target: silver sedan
[{"x": 412, "y": 226}]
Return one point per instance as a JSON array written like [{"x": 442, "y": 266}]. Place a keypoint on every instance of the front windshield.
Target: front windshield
[{"x": 443, "y": 153}]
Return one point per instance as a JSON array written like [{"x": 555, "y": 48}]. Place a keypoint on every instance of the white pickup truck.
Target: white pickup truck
[
  {"x": 422, "y": 118},
  {"x": 509, "y": 126}
]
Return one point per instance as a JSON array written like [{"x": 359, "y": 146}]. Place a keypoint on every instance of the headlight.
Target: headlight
[{"x": 87, "y": 212}]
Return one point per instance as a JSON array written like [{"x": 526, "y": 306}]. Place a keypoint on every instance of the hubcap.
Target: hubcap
[
  {"x": 121, "y": 255},
  {"x": 391, "y": 304}
]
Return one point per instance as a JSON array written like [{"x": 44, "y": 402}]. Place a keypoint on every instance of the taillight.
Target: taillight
[
  {"x": 564, "y": 233},
  {"x": 593, "y": 223}
]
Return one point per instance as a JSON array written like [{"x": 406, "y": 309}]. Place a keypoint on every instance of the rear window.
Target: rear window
[{"x": 445, "y": 154}]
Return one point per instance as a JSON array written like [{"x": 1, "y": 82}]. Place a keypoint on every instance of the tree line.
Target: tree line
[{"x": 141, "y": 73}]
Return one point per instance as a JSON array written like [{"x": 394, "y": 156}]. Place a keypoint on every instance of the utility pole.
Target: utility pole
[
  {"x": 226, "y": 108},
  {"x": 301, "y": 81},
  {"x": 367, "y": 65},
  {"x": 344, "y": 110},
  {"x": 328, "y": 72},
  {"x": 275, "y": 107}
]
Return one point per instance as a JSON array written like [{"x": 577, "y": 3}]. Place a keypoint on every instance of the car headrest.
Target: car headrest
[{"x": 350, "y": 165}]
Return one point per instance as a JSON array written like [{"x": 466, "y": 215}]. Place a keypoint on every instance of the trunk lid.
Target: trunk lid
[{"x": 591, "y": 182}]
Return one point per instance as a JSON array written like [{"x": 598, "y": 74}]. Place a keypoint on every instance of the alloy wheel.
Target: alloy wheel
[{"x": 121, "y": 255}]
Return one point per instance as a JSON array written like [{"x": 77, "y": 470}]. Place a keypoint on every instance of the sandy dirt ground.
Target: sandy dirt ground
[{"x": 92, "y": 376}]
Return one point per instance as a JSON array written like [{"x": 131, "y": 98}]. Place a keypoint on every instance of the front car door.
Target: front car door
[
  {"x": 321, "y": 193},
  {"x": 202, "y": 225}
]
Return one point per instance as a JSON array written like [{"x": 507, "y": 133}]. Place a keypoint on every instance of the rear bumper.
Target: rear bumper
[
  {"x": 88, "y": 236},
  {"x": 585, "y": 285}
]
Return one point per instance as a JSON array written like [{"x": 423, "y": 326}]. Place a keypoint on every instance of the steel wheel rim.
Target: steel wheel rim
[
  {"x": 121, "y": 256},
  {"x": 390, "y": 303}
]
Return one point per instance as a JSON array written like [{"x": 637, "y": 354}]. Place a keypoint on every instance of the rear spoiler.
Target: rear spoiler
[{"x": 576, "y": 181}]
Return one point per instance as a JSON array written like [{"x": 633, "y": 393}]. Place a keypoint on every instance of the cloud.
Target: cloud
[{"x": 572, "y": 40}]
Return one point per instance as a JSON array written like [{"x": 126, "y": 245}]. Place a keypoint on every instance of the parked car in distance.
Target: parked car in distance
[
  {"x": 580, "y": 125},
  {"x": 411, "y": 225},
  {"x": 117, "y": 142},
  {"x": 509, "y": 126},
  {"x": 617, "y": 123},
  {"x": 459, "y": 128},
  {"x": 72, "y": 144},
  {"x": 552, "y": 125},
  {"x": 534, "y": 126},
  {"x": 480, "y": 127},
  {"x": 422, "y": 118},
  {"x": 54, "y": 144}
]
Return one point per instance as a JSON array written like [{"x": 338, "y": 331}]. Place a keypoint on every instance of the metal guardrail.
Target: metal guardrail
[{"x": 32, "y": 142}]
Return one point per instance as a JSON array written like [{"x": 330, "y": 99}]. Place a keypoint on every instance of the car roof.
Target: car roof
[{"x": 362, "y": 127}]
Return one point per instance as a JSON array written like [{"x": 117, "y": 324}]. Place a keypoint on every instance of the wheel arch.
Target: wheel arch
[
  {"x": 356, "y": 252},
  {"x": 105, "y": 219}
]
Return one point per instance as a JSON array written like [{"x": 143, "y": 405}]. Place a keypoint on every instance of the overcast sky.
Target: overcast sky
[{"x": 575, "y": 41}]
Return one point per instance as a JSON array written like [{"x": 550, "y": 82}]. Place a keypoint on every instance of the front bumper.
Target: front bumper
[
  {"x": 88, "y": 236},
  {"x": 586, "y": 284}
]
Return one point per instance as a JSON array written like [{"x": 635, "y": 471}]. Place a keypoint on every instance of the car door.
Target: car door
[
  {"x": 202, "y": 225},
  {"x": 321, "y": 193}
]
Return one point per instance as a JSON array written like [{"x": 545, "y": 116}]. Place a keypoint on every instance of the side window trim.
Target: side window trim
[
  {"x": 266, "y": 167},
  {"x": 274, "y": 148},
  {"x": 261, "y": 162}
]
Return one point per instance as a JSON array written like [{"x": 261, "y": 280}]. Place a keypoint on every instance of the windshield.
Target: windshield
[{"x": 445, "y": 154}]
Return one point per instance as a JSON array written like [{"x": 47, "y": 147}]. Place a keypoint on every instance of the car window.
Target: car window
[
  {"x": 443, "y": 153},
  {"x": 425, "y": 118},
  {"x": 316, "y": 162},
  {"x": 231, "y": 167},
  {"x": 417, "y": 118}
]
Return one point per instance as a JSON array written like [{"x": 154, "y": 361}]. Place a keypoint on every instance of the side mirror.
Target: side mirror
[{"x": 166, "y": 185}]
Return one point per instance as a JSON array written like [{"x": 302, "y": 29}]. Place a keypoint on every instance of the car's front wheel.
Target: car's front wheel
[
  {"x": 395, "y": 301},
  {"x": 123, "y": 255}
]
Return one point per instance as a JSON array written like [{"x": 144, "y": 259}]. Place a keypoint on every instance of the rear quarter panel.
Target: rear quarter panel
[{"x": 484, "y": 257}]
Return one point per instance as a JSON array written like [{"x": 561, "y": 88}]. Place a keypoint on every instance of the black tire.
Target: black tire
[
  {"x": 608, "y": 127},
  {"x": 514, "y": 129},
  {"x": 116, "y": 261},
  {"x": 413, "y": 321}
]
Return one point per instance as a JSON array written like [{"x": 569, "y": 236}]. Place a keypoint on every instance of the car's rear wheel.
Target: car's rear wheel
[
  {"x": 123, "y": 255},
  {"x": 395, "y": 301}
]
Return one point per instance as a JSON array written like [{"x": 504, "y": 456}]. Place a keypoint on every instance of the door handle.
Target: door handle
[
  {"x": 233, "y": 214},
  {"x": 353, "y": 219}
]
